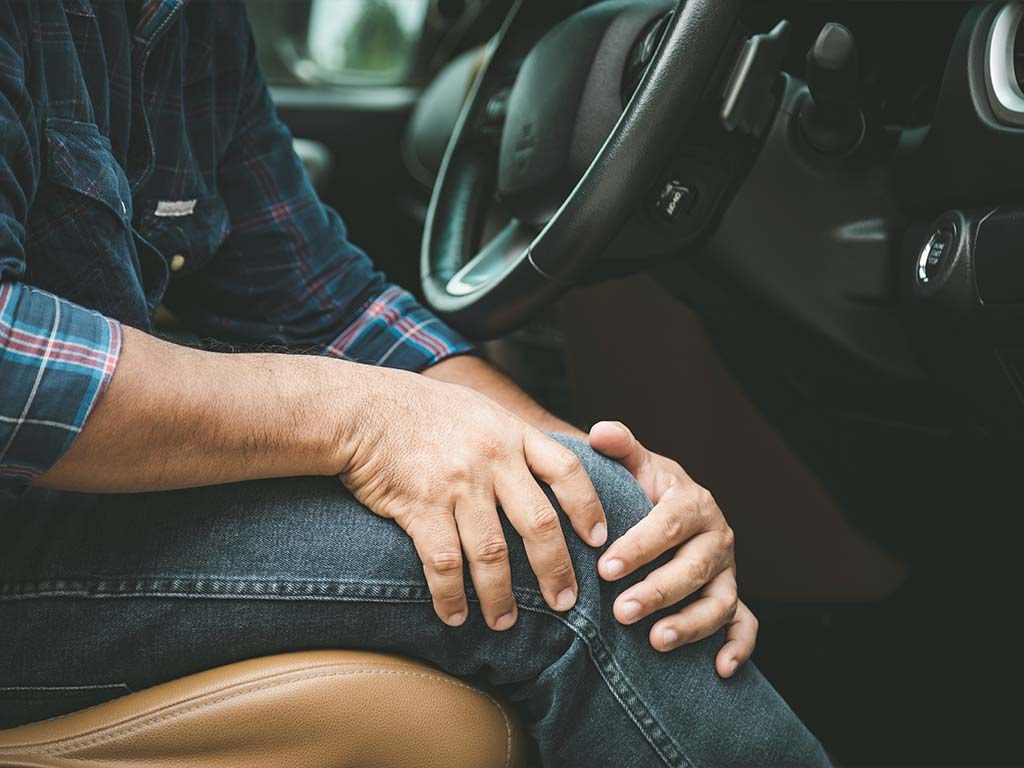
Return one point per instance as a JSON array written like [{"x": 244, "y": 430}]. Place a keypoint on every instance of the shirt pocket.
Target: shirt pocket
[
  {"x": 79, "y": 227},
  {"x": 187, "y": 232}
]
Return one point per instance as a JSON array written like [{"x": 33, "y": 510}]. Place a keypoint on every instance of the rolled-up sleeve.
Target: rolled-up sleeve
[
  {"x": 392, "y": 329},
  {"x": 56, "y": 359},
  {"x": 287, "y": 274}
]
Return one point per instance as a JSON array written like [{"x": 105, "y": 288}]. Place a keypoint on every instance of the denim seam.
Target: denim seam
[
  {"x": 217, "y": 587},
  {"x": 62, "y": 688},
  {"x": 228, "y": 587},
  {"x": 62, "y": 749},
  {"x": 618, "y": 684}
]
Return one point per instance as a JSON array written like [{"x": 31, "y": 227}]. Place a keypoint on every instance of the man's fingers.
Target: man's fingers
[
  {"x": 483, "y": 542},
  {"x": 695, "y": 564},
  {"x": 437, "y": 543},
  {"x": 531, "y": 514},
  {"x": 740, "y": 640},
  {"x": 614, "y": 440},
  {"x": 701, "y": 618},
  {"x": 673, "y": 520},
  {"x": 561, "y": 469}
]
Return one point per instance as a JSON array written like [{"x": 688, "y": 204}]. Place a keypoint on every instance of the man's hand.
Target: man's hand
[
  {"x": 685, "y": 517},
  {"x": 438, "y": 458}
]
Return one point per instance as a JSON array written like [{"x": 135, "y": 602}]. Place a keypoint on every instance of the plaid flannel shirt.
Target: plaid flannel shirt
[{"x": 146, "y": 165}]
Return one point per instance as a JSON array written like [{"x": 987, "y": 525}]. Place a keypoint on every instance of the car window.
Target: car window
[{"x": 345, "y": 42}]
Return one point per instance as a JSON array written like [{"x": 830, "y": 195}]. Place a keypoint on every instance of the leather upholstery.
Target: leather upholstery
[{"x": 318, "y": 709}]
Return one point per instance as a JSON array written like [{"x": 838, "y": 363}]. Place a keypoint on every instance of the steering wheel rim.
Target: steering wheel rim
[{"x": 487, "y": 292}]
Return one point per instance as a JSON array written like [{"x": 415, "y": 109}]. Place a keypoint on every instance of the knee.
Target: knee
[
  {"x": 624, "y": 503},
  {"x": 622, "y": 498}
]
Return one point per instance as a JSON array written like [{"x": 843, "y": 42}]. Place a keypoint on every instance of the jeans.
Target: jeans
[{"x": 124, "y": 592}]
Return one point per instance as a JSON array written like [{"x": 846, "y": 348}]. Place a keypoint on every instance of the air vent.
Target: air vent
[{"x": 1004, "y": 73}]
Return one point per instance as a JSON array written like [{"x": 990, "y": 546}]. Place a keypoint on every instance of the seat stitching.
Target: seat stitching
[
  {"x": 177, "y": 714},
  {"x": 66, "y": 745}
]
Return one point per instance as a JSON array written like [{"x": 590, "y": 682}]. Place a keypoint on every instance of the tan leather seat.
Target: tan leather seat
[{"x": 319, "y": 709}]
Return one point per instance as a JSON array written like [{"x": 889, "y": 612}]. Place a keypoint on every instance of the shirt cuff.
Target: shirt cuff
[
  {"x": 393, "y": 330},
  {"x": 56, "y": 360}
]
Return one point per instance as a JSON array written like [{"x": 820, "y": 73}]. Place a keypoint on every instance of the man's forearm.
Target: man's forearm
[
  {"x": 175, "y": 417},
  {"x": 472, "y": 372}
]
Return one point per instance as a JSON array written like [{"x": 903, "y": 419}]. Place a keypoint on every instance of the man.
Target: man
[{"x": 141, "y": 163}]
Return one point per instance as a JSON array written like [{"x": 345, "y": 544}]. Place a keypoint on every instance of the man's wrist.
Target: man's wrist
[
  {"x": 346, "y": 394},
  {"x": 476, "y": 373}
]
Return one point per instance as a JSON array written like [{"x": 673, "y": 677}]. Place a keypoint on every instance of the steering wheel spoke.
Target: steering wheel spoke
[{"x": 495, "y": 258}]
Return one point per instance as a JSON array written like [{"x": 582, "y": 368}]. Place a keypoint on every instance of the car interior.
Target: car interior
[{"x": 777, "y": 239}]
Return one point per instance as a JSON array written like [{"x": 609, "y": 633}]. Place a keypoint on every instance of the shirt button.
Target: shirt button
[
  {"x": 177, "y": 262},
  {"x": 124, "y": 209}
]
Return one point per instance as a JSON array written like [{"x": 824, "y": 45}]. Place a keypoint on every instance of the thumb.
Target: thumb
[{"x": 614, "y": 440}]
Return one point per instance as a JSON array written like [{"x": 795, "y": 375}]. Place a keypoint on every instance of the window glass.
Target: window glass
[
  {"x": 366, "y": 38},
  {"x": 347, "y": 42}
]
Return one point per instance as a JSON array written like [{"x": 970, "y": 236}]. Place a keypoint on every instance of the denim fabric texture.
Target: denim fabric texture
[{"x": 145, "y": 588}]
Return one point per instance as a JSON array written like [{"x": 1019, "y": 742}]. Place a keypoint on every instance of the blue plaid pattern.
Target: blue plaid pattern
[
  {"x": 53, "y": 355},
  {"x": 146, "y": 166}
]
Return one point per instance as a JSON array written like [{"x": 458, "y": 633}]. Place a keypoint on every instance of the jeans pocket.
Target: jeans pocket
[{"x": 20, "y": 704}]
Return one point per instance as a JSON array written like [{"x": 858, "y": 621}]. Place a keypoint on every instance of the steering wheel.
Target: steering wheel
[{"x": 544, "y": 135}]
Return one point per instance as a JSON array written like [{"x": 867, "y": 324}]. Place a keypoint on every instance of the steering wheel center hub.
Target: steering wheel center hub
[{"x": 565, "y": 102}]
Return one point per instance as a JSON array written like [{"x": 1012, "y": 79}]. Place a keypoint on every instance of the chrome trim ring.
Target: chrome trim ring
[{"x": 1000, "y": 73}]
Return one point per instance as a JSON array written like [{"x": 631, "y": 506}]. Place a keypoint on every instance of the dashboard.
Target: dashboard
[
  {"x": 872, "y": 302},
  {"x": 895, "y": 257},
  {"x": 965, "y": 266}
]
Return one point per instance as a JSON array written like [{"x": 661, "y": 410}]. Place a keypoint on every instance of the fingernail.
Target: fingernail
[
  {"x": 506, "y": 621},
  {"x": 630, "y": 610},
  {"x": 732, "y": 666},
  {"x": 566, "y": 599},
  {"x": 456, "y": 619},
  {"x": 599, "y": 534},
  {"x": 669, "y": 637},
  {"x": 613, "y": 568}
]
